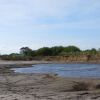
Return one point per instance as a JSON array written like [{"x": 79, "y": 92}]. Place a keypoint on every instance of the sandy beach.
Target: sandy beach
[
  {"x": 15, "y": 86},
  {"x": 4, "y": 62}
]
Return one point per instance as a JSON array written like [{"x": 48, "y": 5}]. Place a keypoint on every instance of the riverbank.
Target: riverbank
[
  {"x": 5, "y": 62},
  {"x": 15, "y": 86},
  {"x": 45, "y": 61}
]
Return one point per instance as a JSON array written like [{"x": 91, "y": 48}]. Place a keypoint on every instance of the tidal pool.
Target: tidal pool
[{"x": 65, "y": 70}]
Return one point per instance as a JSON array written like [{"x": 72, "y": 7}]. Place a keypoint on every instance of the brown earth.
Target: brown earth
[
  {"x": 15, "y": 86},
  {"x": 74, "y": 58}
]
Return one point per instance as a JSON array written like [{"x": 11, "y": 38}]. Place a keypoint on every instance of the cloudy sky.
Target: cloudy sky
[{"x": 38, "y": 23}]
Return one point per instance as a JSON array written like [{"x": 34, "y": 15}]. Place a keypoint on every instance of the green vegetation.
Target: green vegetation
[
  {"x": 45, "y": 51},
  {"x": 57, "y": 50},
  {"x": 27, "y": 53}
]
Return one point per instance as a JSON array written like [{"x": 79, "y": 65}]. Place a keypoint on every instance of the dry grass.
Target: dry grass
[
  {"x": 50, "y": 76},
  {"x": 81, "y": 86},
  {"x": 97, "y": 86}
]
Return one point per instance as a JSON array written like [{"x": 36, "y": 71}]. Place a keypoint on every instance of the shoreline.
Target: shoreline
[
  {"x": 6, "y": 62},
  {"x": 16, "y": 86}
]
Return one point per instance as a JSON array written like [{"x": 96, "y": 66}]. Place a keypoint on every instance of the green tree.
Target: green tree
[
  {"x": 93, "y": 51},
  {"x": 71, "y": 49},
  {"x": 57, "y": 50},
  {"x": 26, "y": 51},
  {"x": 45, "y": 51},
  {"x": 90, "y": 51}
]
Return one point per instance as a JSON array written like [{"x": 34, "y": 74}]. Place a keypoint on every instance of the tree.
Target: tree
[
  {"x": 57, "y": 50},
  {"x": 72, "y": 49},
  {"x": 26, "y": 51},
  {"x": 90, "y": 51},
  {"x": 93, "y": 51},
  {"x": 45, "y": 51}
]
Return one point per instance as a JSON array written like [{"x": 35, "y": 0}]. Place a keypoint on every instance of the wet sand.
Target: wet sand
[{"x": 15, "y": 86}]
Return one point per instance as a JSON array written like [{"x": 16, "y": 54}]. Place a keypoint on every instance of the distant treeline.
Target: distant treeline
[{"x": 27, "y": 53}]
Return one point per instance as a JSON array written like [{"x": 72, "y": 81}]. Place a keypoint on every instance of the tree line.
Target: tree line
[{"x": 27, "y": 53}]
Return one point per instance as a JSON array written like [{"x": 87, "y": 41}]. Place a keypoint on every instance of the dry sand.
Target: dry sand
[
  {"x": 3, "y": 62},
  {"x": 15, "y": 86}
]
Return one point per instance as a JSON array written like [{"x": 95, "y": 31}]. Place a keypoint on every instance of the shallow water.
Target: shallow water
[{"x": 66, "y": 70}]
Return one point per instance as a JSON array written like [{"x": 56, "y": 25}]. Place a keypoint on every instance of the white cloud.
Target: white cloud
[
  {"x": 61, "y": 8},
  {"x": 14, "y": 11},
  {"x": 91, "y": 24},
  {"x": 17, "y": 9},
  {"x": 23, "y": 16}
]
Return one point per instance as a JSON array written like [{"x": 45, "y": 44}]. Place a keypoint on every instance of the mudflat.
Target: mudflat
[{"x": 15, "y": 86}]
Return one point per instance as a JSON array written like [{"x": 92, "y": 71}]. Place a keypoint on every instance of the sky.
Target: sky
[{"x": 39, "y": 23}]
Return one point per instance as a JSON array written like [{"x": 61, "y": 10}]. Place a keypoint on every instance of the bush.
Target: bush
[
  {"x": 80, "y": 86},
  {"x": 72, "y": 49},
  {"x": 45, "y": 51}
]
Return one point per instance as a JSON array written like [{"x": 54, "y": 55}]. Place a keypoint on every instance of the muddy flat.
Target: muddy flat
[{"x": 15, "y": 86}]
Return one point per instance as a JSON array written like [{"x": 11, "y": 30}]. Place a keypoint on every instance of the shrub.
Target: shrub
[{"x": 80, "y": 86}]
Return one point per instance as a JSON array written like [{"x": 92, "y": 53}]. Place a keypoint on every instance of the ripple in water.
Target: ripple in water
[{"x": 66, "y": 70}]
